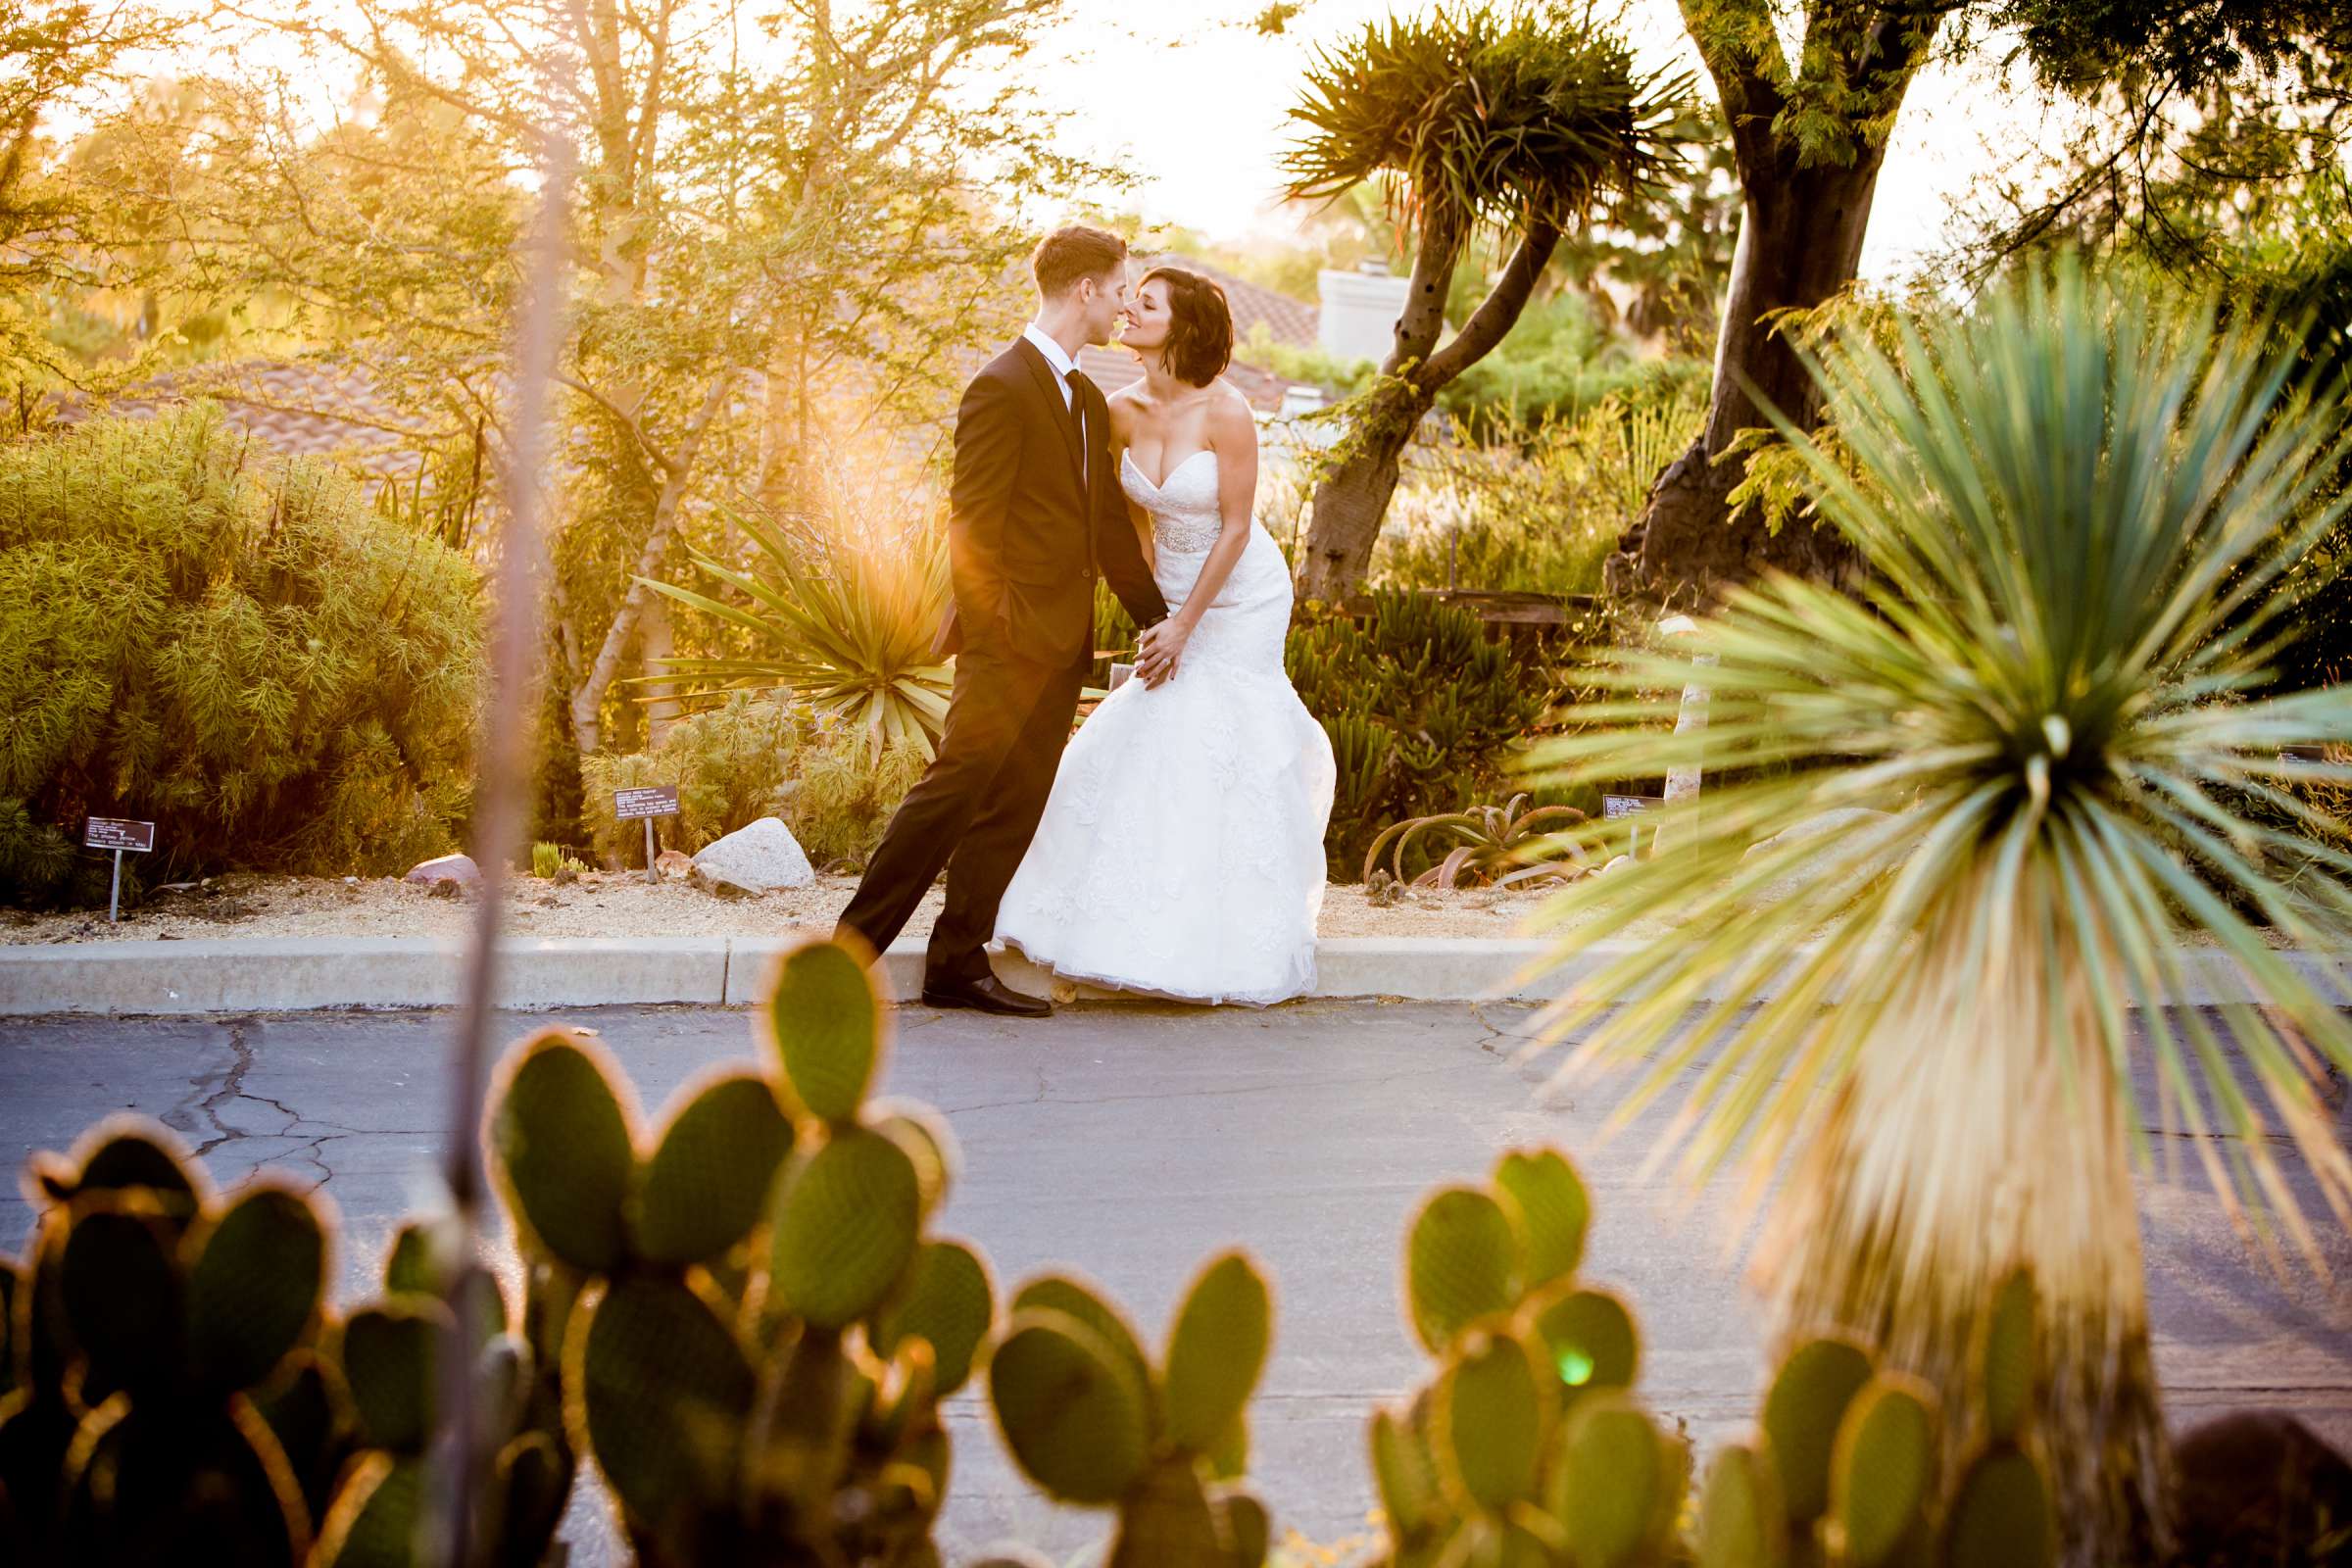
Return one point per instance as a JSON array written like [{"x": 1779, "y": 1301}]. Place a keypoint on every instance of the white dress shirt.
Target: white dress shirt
[{"x": 1056, "y": 356}]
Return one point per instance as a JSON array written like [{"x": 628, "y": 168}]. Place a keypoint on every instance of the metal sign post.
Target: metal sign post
[
  {"x": 654, "y": 800},
  {"x": 118, "y": 834}
]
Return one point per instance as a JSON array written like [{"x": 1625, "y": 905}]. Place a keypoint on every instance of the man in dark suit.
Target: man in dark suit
[{"x": 1035, "y": 512}]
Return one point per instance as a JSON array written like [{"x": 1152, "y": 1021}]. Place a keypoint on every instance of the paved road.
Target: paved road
[{"x": 1133, "y": 1142}]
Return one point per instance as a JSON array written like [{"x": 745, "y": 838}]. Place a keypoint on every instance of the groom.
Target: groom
[{"x": 1035, "y": 509}]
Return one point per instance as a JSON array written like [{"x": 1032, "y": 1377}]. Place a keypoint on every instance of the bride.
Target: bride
[{"x": 1181, "y": 851}]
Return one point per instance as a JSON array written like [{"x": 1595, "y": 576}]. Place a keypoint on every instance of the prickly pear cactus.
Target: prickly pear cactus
[
  {"x": 1851, "y": 1466},
  {"x": 151, "y": 1322},
  {"x": 390, "y": 1356},
  {"x": 1091, "y": 1420},
  {"x": 755, "y": 1331},
  {"x": 1524, "y": 1449}
]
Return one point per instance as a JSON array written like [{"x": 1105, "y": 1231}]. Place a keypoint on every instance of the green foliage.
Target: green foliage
[
  {"x": 1088, "y": 1418},
  {"x": 1559, "y": 363},
  {"x": 185, "y": 1393},
  {"x": 1421, "y": 709},
  {"x": 1481, "y": 118},
  {"x": 748, "y": 757},
  {"x": 1538, "y": 509},
  {"x": 244, "y": 653}
]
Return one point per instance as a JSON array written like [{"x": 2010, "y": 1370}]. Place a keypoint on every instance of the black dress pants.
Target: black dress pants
[{"x": 974, "y": 812}]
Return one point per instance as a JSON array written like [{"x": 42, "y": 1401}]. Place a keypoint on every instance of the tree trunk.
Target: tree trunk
[
  {"x": 1801, "y": 241},
  {"x": 1352, "y": 496}
]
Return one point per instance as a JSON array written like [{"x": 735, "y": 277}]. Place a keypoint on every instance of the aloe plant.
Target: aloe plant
[
  {"x": 2073, "y": 502},
  {"x": 1504, "y": 846}
]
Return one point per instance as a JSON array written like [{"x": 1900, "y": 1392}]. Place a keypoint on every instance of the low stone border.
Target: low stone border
[{"x": 298, "y": 974}]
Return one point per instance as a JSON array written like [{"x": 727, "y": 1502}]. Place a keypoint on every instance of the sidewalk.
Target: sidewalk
[{"x": 293, "y": 974}]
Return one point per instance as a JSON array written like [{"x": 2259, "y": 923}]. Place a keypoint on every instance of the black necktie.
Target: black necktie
[{"x": 1078, "y": 418}]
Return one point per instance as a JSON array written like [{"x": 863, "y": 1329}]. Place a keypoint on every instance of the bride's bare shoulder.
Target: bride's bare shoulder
[{"x": 1231, "y": 420}]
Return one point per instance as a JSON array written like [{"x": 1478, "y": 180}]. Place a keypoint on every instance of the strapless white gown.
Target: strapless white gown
[{"x": 1181, "y": 851}]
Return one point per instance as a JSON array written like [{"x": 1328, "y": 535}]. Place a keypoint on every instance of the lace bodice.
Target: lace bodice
[{"x": 1185, "y": 521}]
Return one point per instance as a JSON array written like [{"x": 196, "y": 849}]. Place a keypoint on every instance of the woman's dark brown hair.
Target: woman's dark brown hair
[{"x": 1199, "y": 341}]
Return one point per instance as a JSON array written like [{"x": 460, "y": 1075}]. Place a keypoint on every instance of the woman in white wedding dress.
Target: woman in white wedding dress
[{"x": 1181, "y": 853}]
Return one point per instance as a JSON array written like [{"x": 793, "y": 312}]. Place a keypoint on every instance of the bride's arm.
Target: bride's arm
[{"x": 1233, "y": 437}]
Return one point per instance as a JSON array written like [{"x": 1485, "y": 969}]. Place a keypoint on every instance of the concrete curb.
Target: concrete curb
[{"x": 299, "y": 974}]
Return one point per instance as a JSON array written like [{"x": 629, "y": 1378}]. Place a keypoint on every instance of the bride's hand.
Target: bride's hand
[{"x": 1157, "y": 651}]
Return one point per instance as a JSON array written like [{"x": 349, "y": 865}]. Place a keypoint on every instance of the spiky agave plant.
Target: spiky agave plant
[
  {"x": 851, "y": 634},
  {"x": 2073, "y": 502}
]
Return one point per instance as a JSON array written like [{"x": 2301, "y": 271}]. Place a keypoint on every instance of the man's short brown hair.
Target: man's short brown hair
[{"x": 1074, "y": 252}]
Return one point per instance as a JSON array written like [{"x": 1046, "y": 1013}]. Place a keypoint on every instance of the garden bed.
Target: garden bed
[{"x": 624, "y": 904}]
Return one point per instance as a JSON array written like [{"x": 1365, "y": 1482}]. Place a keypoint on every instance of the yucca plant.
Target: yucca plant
[
  {"x": 2073, "y": 502},
  {"x": 1514, "y": 119},
  {"x": 852, "y": 635}
]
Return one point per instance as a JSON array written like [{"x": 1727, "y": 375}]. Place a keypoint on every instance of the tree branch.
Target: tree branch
[{"x": 1498, "y": 312}]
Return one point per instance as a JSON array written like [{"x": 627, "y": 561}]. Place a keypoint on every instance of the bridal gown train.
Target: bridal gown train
[{"x": 1181, "y": 851}]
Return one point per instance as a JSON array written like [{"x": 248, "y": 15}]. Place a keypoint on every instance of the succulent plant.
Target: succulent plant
[
  {"x": 763, "y": 1330},
  {"x": 1849, "y": 1468},
  {"x": 1497, "y": 845},
  {"x": 148, "y": 1320},
  {"x": 389, "y": 1356},
  {"x": 1088, "y": 1418},
  {"x": 1526, "y": 1448}
]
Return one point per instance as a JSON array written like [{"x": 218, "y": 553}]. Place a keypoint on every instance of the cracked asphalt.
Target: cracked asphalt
[{"x": 1133, "y": 1142}]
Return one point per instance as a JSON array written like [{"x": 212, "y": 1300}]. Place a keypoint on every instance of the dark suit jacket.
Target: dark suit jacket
[{"x": 1026, "y": 535}]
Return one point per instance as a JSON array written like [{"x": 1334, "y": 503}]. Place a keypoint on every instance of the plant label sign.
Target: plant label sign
[
  {"x": 115, "y": 833},
  {"x": 118, "y": 834},
  {"x": 1616, "y": 806},
  {"x": 654, "y": 800}
]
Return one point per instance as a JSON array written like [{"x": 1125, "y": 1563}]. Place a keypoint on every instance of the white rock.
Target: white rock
[{"x": 758, "y": 859}]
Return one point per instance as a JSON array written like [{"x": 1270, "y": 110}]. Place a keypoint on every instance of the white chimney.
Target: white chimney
[{"x": 1358, "y": 318}]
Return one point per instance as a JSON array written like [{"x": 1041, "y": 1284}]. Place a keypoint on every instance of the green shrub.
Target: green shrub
[
  {"x": 756, "y": 756},
  {"x": 1422, "y": 710},
  {"x": 1537, "y": 512},
  {"x": 246, "y": 652}
]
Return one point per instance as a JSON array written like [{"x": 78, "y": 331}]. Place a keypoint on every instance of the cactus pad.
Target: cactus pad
[
  {"x": 925, "y": 1135},
  {"x": 123, "y": 1153},
  {"x": 256, "y": 1285},
  {"x": 1881, "y": 1468},
  {"x": 846, "y": 1222},
  {"x": 657, "y": 1387},
  {"x": 2000, "y": 1514},
  {"x": 1069, "y": 1407},
  {"x": 1589, "y": 1339},
  {"x": 1612, "y": 1486},
  {"x": 1741, "y": 1521},
  {"x": 1807, "y": 1401},
  {"x": 376, "y": 1513},
  {"x": 825, "y": 1027},
  {"x": 707, "y": 1181},
  {"x": 1167, "y": 1521},
  {"x": 1486, "y": 1422},
  {"x": 389, "y": 1352},
  {"x": 1461, "y": 1263},
  {"x": 1407, "y": 1480},
  {"x": 122, "y": 1293},
  {"x": 1552, "y": 1208},
  {"x": 2006, "y": 1357},
  {"x": 561, "y": 1142},
  {"x": 1248, "y": 1527},
  {"x": 1216, "y": 1352},
  {"x": 1064, "y": 1293},
  {"x": 946, "y": 1300}
]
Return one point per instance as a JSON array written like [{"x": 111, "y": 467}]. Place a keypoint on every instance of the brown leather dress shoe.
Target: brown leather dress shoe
[{"x": 987, "y": 995}]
